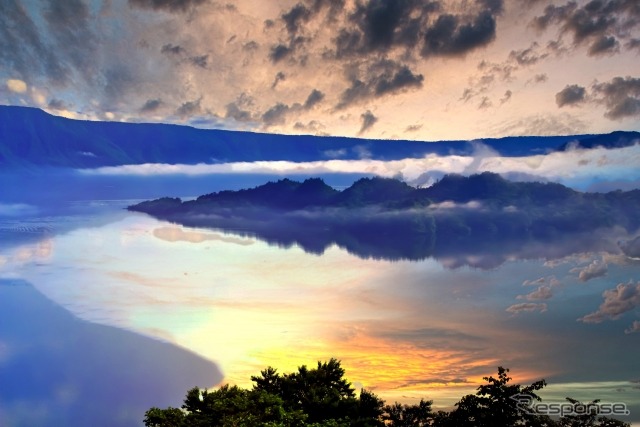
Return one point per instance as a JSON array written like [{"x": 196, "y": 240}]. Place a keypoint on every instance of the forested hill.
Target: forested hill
[
  {"x": 386, "y": 218},
  {"x": 30, "y": 137},
  {"x": 492, "y": 190}
]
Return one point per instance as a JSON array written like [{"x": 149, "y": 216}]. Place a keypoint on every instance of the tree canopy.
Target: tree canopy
[{"x": 322, "y": 397}]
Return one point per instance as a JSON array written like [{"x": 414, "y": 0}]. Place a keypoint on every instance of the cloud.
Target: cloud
[
  {"x": 171, "y": 49},
  {"x": 485, "y": 103},
  {"x": 542, "y": 281},
  {"x": 591, "y": 271},
  {"x": 528, "y": 56},
  {"x": 314, "y": 98},
  {"x": 236, "y": 113},
  {"x": 381, "y": 24},
  {"x": 189, "y": 108},
  {"x": 597, "y": 22},
  {"x": 543, "y": 292},
  {"x": 540, "y": 78},
  {"x": 527, "y": 307},
  {"x": 368, "y": 120},
  {"x": 276, "y": 114},
  {"x": 381, "y": 78},
  {"x": 280, "y": 76},
  {"x": 199, "y": 61},
  {"x": 571, "y": 95},
  {"x": 16, "y": 85},
  {"x": 177, "y": 234},
  {"x": 506, "y": 97},
  {"x": 295, "y": 17},
  {"x": 617, "y": 301},
  {"x": 57, "y": 104},
  {"x": 448, "y": 36},
  {"x": 279, "y": 52},
  {"x": 621, "y": 96},
  {"x": 167, "y": 5},
  {"x": 69, "y": 23},
  {"x": 604, "y": 45},
  {"x": 151, "y": 105},
  {"x": 631, "y": 248},
  {"x": 635, "y": 327}
]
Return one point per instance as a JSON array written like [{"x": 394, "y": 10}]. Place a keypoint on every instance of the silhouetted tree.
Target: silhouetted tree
[{"x": 322, "y": 397}]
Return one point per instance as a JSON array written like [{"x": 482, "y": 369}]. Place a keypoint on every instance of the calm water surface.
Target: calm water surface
[{"x": 196, "y": 306}]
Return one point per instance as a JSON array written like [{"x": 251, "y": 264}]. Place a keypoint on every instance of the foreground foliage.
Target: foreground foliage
[{"x": 322, "y": 397}]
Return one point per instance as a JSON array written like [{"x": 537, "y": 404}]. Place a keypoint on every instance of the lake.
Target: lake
[{"x": 104, "y": 313}]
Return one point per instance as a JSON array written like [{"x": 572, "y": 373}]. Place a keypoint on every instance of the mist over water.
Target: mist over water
[{"x": 408, "y": 328}]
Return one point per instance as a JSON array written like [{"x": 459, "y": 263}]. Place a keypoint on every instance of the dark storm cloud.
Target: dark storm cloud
[
  {"x": 383, "y": 23},
  {"x": 621, "y": 96},
  {"x": 295, "y": 17},
  {"x": 313, "y": 99},
  {"x": 597, "y": 22},
  {"x": 379, "y": 25},
  {"x": 381, "y": 78},
  {"x": 151, "y": 105},
  {"x": 368, "y": 120},
  {"x": 604, "y": 45},
  {"x": 167, "y": 5},
  {"x": 571, "y": 95},
  {"x": 448, "y": 36}
]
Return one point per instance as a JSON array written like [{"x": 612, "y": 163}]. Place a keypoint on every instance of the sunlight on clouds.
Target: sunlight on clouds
[{"x": 17, "y": 86}]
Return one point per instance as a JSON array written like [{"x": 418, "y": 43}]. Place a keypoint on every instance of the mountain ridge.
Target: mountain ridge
[
  {"x": 32, "y": 137},
  {"x": 387, "y": 218}
]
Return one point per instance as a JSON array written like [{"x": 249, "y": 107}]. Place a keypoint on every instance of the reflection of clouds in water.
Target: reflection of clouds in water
[
  {"x": 543, "y": 292},
  {"x": 617, "y": 301},
  {"x": 178, "y": 234},
  {"x": 597, "y": 268},
  {"x": 39, "y": 252},
  {"x": 527, "y": 307},
  {"x": 402, "y": 328}
]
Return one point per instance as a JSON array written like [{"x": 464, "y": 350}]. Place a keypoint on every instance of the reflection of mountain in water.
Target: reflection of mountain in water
[
  {"x": 65, "y": 372},
  {"x": 479, "y": 220}
]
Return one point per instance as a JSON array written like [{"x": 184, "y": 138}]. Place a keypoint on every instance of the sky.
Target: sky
[{"x": 404, "y": 69}]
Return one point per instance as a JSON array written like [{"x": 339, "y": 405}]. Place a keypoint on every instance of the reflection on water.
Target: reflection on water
[
  {"x": 406, "y": 329},
  {"x": 56, "y": 370}
]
